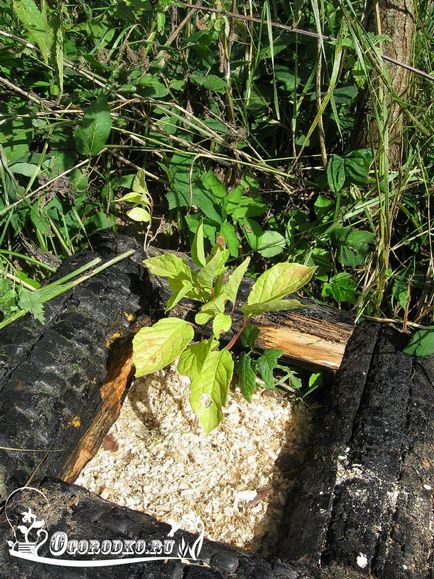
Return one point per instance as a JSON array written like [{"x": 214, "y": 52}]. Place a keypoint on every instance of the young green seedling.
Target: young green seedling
[{"x": 210, "y": 365}]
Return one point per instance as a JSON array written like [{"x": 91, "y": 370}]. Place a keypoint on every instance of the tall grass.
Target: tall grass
[{"x": 266, "y": 89}]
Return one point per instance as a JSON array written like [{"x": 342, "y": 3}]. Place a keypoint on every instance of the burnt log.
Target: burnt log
[
  {"x": 362, "y": 504},
  {"x": 62, "y": 383},
  {"x": 84, "y": 516}
]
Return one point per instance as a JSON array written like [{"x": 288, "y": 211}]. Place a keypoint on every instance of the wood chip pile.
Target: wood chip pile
[{"x": 157, "y": 460}]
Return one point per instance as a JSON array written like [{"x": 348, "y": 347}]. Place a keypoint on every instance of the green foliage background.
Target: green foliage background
[{"x": 224, "y": 116}]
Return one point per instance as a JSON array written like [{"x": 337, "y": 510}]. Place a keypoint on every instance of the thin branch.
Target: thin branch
[{"x": 28, "y": 95}]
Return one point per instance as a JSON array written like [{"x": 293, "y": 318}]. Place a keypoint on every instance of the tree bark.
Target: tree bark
[{"x": 397, "y": 21}]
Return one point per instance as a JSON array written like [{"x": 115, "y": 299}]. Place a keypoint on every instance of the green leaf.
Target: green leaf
[
  {"x": 211, "y": 309},
  {"x": 271, "y": 243},
  {"x": 36, "y": 23},
  {"x": 228, "y": 292},
  {"x": 204, "y": 200},
  {"x": 246, "y": 376},
  {"x": 209, "y": 390},
  {"x": 284, "y": 77},
  {"x": 357, "y": 165},
  {"x": 342, "y": 287},
  {"x": 214, "y": 185},
  {"x": 230, "y": 289},
  {"x": 168, "y": 265},
  {"x": 271, "y": 306},
  {"x": 336, "y": 173},
  {"x": 94, "y": 130},
  {"x": 131, "y": 197},
  {"x": 279, "y": 281},
  {"x": 231, "y": 238},
  {"x": 421, "y": 343},
  {"x": 39, "y": 217},
  {"x": 353, "y": 244},
  {"x": 26, "y": 169},
  {"x": 31, "y": 303},
  {"x": 232, "y": 199},
  {"x": 150, "y": 86},
  {"x": 248, "y": 207},
  {"x": 252, "y": 230},
  {"x": 193, "y": 357},
  {"x": 210, "y": 82},
  {"x": 139, "y": 183},
  {"x": 249, "y": 336},
  {"x": 197, "y": 247},
  {"x": 222, "y": 323},
  {"x": 181, "y": 288},
  {"x": 139, "y": 214},
  {"x": 266, "y": 365},
  {"x": 156, "y": 346},
  {"x": 315, "y": 381},
  {"x": 215, "y": 266}
]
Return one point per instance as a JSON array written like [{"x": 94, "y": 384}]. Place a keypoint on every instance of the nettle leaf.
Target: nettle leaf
[
  {"x": 197, "y": 247},
  {"x": 210, "y": 82},
  {"x": 271, "y": 306},
  {"x": 246, "y": 376},
  {"x": 336, "y": 173},
  {"x": 266, "y": 363},
  {"x": 342, "y": 287},
  {"x": 271, "y": 243},
  {"x": 357, "y": 165},
  {"x": 353, "y": 245},
  {"x": 31, "y": 302},
  {"x": 209, "y": 390},
  {"x": 193, "y": 357},
  {"x": 279, "y": 281},
  {"x": 168, "y": 265},
  {"x": 249, "y": 336},
  {"x": 421, "y": 343},
  {"x": 214, "y": 185},
  {"x": 231, "y": 238},
  {"x": 156, "y": 346},
  {"x": 139, "y": 214},
  {"x": 94, "y": 130},
  {"x": 222, "y": 323}
]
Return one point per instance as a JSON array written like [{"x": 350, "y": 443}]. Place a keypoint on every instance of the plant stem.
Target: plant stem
[{"x": 238, "y": 334}]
